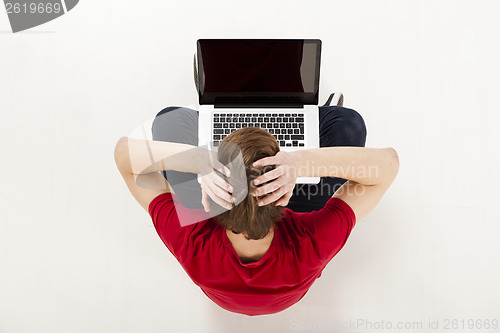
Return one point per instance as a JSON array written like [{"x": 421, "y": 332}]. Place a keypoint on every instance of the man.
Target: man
[{"x": 241, "y": 259}]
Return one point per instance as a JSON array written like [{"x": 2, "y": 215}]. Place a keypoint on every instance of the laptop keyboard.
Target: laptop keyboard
[{"x": 287, "y": 128}]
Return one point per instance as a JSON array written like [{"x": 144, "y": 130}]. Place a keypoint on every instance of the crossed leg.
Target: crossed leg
[{"x": 338, "y": 126}]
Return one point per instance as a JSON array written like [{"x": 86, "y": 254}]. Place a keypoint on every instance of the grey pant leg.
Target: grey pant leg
[
  {"x": 180, "y": 125},
  {"x": 338, "y": 126}
]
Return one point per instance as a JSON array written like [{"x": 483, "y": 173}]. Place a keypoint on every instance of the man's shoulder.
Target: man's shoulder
[
  {"x": 334, "y": 212},
  {"x": 292, "y": 224}
]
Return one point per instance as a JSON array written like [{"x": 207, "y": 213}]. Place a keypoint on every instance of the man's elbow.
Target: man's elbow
[
  {"x": 121, "y": 153},
  {"x": 393, "y": 162}
]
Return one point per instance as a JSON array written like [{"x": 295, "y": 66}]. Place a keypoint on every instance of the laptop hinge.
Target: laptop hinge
[{"x": 259, "y": 105}]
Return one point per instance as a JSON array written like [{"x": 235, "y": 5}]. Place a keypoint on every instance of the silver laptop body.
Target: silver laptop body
[{"x": 267, "y": 83}]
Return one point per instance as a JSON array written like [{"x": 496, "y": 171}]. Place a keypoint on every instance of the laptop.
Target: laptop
[{"x": 268, "y": 83}]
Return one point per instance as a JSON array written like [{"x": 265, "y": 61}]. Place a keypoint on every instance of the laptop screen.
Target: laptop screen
[{"x": 256, "y": 71}]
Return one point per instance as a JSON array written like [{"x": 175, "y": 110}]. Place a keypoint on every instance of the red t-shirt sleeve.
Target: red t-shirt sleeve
[
  {"x": 165, "y": 211},
  {"x": 329, "y": 228}
]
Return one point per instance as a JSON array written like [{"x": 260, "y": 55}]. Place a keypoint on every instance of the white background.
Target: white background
[{"x": 78, "y": 254}]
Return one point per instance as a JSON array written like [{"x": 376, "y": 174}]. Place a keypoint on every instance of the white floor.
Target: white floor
[{"x": 78, "y": 254}]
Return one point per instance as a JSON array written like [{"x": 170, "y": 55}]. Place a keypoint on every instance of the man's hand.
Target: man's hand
[{"x": 280, "y": 181}]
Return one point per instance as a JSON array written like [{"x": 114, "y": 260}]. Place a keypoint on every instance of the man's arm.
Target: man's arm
[
  {"x": 144, "y": 188},
  {"x": 140, "y": 161},
  {"x": 147, "y": 156},
  {"x": 369, "y": 171}
]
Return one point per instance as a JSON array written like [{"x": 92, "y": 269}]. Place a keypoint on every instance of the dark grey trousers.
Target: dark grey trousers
[{"x": 338, "y": 126}]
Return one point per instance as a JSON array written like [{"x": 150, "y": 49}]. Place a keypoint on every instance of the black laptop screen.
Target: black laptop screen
[{"x": 258, "y": 71}]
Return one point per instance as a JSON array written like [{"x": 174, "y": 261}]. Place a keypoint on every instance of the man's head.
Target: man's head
[{"x": 248, "y": 217}]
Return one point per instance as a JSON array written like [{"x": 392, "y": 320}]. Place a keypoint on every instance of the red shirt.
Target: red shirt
[{"x": 302, "y": 245}]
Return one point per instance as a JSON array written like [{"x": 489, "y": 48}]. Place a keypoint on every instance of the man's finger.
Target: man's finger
[
  {"x": 270, "y": 160},
  {"x": 272, "y": 197},
  {"x": 217, "y": 180},
  {"x": 268, "y": 188},
  {"x": 284, "y": 199},
  {"x": 204, "y": 202},
  {"x": 221, "y": 192},
  {"x": 217, "y": 199},
  {"x": 268, "y": 176}
]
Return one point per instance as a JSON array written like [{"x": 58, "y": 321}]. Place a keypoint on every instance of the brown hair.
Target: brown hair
[{"x": 248, "y": 217}]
